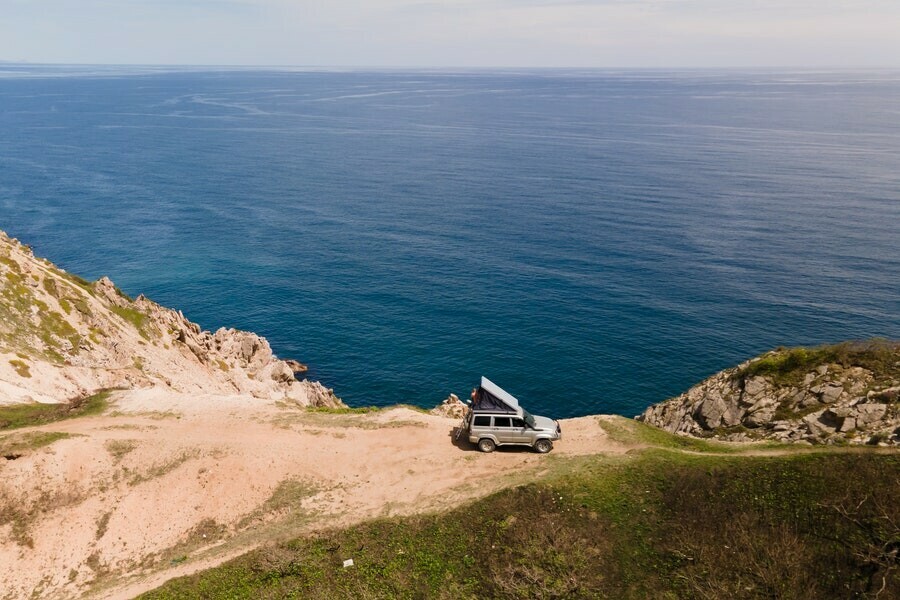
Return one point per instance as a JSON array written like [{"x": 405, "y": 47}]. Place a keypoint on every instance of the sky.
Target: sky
[{"x": 455, "y": 33}]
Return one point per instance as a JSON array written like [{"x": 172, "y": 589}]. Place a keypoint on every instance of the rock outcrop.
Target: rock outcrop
[
  {"x": 452, "y": 406},
  {"x": 62, "y": 337},
  {"x": 846, "y": 393}
]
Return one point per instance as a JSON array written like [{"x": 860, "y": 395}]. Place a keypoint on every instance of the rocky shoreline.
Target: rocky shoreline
[
  {"x": 842, "y": 394},
  {"x": 62, "y": 337}
]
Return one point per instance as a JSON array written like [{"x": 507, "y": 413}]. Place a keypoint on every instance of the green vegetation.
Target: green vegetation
[
  {"x": 53, "y": 329},
  {"x": 122, "y": 294},
  {"x": 102, "y": 525},
  {"x": 339, "y": 417},
  {"x": 81, "y": 305},
  {"x": 50, "y": 286},
  {"x": 16, "y": 416},
  {"x": 15, "y": 307},
  {"x": 18, "y": 513},
  {"x": 9, "y": 262},
  {"x": 21, "y": 367},
  {"x": 329, "y": 410},
  {"x": 162, "y": 468},
  {"x": 656, "y": 524},
  {"x": 119, "y": 448},
  {"x": 361, "y": 410},
  {"x": 286, "y": 499},
  {"x": 72, "y": 278},
  {"x": 15, "y": 445},
  {"x": 20, "y": 327},
  {"x": 787, "y": 412},
  {"x": 157, "y": 415},
  {"x": 787, "y": 366},
  {"x": 635, "y": 433},
  {"x": 132, "y": 315}
]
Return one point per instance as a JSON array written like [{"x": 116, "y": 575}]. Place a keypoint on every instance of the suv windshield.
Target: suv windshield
[{"x": 528, "y": 418}]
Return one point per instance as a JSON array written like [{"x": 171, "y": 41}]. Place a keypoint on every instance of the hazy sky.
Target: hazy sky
[{"x": 539, "y": 33}]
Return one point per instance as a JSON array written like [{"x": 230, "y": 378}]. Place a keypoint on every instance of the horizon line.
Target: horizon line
[{"x": 457, "y": 67}]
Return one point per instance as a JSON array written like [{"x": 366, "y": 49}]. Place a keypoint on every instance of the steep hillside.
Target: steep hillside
[
  {"x": 63, "y": 338},
  {"x": 845, "y": 393},
  {"x": 649, "y": 524}
]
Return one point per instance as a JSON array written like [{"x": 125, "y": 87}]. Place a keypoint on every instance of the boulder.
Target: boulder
[
  {"x": 452, "y": 406},
  {"x": 296, "y": 367},
  {"x": 829, "y": 394},
  {"x": 105, "y": 288},
  {"x": 709, "y": 414},
  {"x": 281, "y": 372},
  {"x": 760, "y": 416},
  {"x": 821, "y": 423},
  {"x": 849, "y": 424},
  {"x": 869, "y": 413},
  {"x": 755, "y": 386}
]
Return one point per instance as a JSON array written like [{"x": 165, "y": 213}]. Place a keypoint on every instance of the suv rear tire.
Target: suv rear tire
[
  {"x": 486, "y": 445},
  {"x": 543, "y": 446}
]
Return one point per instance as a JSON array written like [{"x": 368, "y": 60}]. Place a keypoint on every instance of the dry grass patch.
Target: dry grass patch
[
  {"x": 286, "y": 501},
  {"x": 156, "y": 415},
  {"x": 21, "y": 512},
  {"x": 362, "y": 418},
  {"x": 15, "y": 446},
  {"x": 161, "y": 469},
  {"x": 119, "y": 448},
  {"x": 102, "y": 524},
  {"x": 129, "y": 427},
  {"x": 21, "y": 367}
]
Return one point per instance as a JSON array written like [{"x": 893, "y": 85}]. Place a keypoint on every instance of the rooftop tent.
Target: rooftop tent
[{"x": 492, "y": 398}]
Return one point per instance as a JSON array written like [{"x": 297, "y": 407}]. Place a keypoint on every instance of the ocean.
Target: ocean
[{"x": 592, "y": 241}]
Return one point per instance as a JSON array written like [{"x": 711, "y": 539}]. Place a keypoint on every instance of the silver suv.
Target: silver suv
[{"x": 490, "y": 430}]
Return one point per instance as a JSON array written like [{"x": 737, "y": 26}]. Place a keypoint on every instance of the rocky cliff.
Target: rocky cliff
[
  {"x": 62, "y": 337},
  {"x": 846, "y": 393}
]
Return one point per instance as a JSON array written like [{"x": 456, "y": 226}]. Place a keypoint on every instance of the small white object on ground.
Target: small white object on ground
[{"x": 348, "y": 563}]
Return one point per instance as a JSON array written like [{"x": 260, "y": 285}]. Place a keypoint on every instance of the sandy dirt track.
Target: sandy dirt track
[{"x": 164, "y": 485}]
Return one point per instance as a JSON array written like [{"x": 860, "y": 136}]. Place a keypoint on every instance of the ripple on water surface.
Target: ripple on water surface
[{"x": 593, "y": 242}]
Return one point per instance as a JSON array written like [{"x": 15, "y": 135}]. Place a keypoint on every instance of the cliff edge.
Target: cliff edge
[
  {"x": 63, "y": 338},
  {"x": 847, "y": 393}
]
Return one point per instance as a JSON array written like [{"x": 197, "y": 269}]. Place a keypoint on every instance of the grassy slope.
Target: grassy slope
[
  {"x": 659, "y": 523},
  {"x": 15, "y": 416}
]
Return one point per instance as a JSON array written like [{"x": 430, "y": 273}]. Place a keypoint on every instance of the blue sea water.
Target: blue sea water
[{"x": 593, "y": 241}]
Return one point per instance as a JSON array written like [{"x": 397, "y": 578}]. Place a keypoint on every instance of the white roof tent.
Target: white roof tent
[{"x": 492, "y": 398}]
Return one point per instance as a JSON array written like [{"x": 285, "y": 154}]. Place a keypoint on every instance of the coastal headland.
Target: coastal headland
[{"x": 136, "y": 448}]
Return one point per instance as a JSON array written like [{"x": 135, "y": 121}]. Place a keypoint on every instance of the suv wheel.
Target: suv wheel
[
  {"x": 486, "y": 445},
  {"x": 543, "y": 446}
]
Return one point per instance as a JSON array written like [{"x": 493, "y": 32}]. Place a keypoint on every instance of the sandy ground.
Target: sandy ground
[{"x": 165, "y": 485}]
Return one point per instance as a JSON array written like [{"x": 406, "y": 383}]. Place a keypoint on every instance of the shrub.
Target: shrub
[{"x": 789, "y": 365}]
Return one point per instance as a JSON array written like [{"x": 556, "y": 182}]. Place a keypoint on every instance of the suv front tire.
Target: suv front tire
[{"x": 543, "y": 446}]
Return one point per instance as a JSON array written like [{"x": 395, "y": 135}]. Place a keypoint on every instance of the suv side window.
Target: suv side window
[
  {"x": 502, "y": 422},
  {"x": 482, "y": 421},
  {"x": 518, "y": 423}
]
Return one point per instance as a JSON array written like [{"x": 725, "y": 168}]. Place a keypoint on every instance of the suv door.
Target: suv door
[
  {"x": 520, "y": 432},
  {"x": 503, "y": 429}
]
